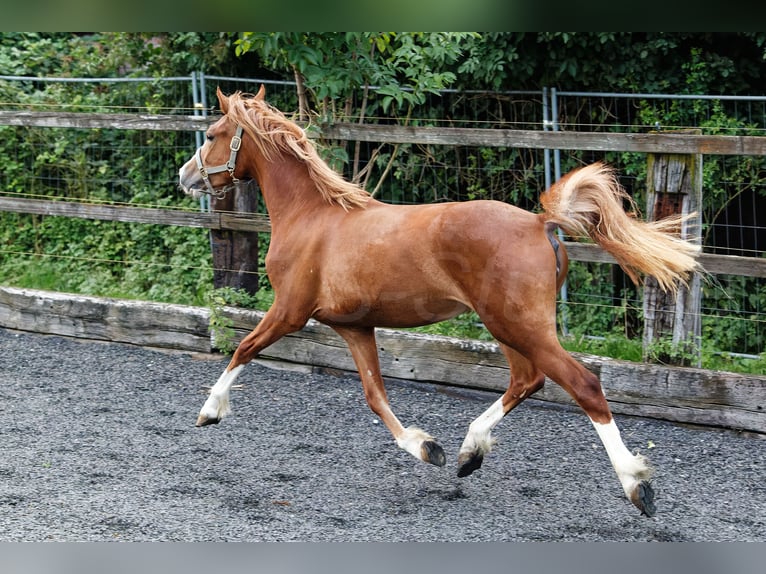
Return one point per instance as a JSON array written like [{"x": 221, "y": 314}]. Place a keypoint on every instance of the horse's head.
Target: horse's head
[{"x": 213, "y": 168}]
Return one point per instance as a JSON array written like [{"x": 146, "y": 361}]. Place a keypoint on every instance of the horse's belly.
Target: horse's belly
[{"x": 391, "y": 309}]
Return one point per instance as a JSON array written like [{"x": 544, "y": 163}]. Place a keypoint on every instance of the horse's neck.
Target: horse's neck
[{"x": 288, "y": 191}]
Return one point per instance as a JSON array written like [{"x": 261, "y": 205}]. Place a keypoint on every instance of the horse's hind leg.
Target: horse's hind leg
[
  {"x": 633, "y": 471},
  {"x": 525, "y": 380},
  {"x": 361, "y": 342}
]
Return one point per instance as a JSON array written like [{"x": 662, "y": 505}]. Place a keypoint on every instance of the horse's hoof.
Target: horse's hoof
[
  {"x": 203, "y": 421},
  {"x": 469, "y": 462},
  {"x": 433, "y": 453},
  {"x": 643, "y": 498}
]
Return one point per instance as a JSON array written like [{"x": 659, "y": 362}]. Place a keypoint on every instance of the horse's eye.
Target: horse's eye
[{"x": 209, "y": 137}]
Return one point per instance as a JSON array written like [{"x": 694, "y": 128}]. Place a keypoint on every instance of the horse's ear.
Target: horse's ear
[
  {"x": 223, "y": 101},
  {"x": 261, "y": 95}
]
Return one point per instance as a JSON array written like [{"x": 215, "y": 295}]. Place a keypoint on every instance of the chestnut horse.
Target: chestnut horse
[{"x": 354, "y": 263}]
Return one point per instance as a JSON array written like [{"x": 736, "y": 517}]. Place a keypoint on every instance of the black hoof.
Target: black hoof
[
  {"x": 433, "y": 453},
  {"x": 466, "y": 467},
  {"x": 203, "y": 421},
  {"x": 643, "y": 498}
]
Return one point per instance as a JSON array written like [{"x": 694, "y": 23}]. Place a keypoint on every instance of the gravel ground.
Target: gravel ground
[{"x": 99, "y": 444}]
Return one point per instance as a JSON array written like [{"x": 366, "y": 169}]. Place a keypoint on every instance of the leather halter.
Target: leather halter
[{"x": 234, "y": 145}]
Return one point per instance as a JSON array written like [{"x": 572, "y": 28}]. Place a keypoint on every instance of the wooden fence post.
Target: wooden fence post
[
  {"x": 674, "y": 185},
  {"x": 235, "y": 253}
]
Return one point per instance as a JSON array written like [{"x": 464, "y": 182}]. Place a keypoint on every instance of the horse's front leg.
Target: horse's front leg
[
  {"x": 361, "y": 342},
  {"x": 274, "y": 325}
]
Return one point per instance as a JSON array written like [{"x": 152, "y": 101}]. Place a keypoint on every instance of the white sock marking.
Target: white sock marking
[
  {"x": 631, "y": 469},
  {"x": 217, "y": 404},
  {"x": 479, "y": 440}
]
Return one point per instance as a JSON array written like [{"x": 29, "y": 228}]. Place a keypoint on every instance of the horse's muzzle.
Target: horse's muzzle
[{"x": 189, "y": 180}]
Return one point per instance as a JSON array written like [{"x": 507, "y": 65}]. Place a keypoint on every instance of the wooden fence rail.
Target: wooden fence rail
[
  {"x": 486, "y": 137},
  {"x": 534, "y": 139},
  {"x": 162, "y": 216},
  {"x": 104, "y": 121}
]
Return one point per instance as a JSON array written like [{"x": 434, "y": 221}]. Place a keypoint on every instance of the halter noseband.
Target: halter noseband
[{"x": 234, "y": 145}]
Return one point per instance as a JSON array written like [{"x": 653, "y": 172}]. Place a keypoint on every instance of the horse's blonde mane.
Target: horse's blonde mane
[{"x": 273, "y": 133}]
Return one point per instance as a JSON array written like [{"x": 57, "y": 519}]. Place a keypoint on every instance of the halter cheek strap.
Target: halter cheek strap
[{"x": 234, "y": 145}]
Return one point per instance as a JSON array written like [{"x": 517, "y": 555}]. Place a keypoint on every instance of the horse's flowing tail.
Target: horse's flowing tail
[{"x": 589, "y": 202}]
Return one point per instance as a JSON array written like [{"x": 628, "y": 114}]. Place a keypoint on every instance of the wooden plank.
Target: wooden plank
[
  {"x": 531, "y": 139},
  {"x": 462, "y": 362},
  {"x": 686, "y": 395},
  {"x": 713, "y": 264},
  {"x": 234, "y": 221},
  {"x": 106, "y": 212},
  {"x": 589, "y": 252},
  {"x": 159, "y": 325},
  {"x": 243, "y": 222},
  {"x": 534, "y": 139},
  {"x": 105, "y": 121},
  {"x": 733, "y": 265}
]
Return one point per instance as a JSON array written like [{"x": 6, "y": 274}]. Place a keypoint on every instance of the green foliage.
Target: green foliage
[
  {"x": 333, "y": 68},
  {"x": 32, "y": 53},
  {"x": 333, "y": 65},
  {"x": 109, "y": 259},
  {"x": 101, "y": 166},
  {"x": 613, "y": 344},
  {"x": 665, "y": 351},
  {"x": 717, "y": 361},
  {"x": 465, "y": 326},
  {"x": 735, "y": 324}
]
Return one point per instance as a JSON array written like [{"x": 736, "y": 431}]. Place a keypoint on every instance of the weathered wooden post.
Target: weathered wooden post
[
  {"x": 235, "y": 253},
  {"x": 672, "y": 328}
]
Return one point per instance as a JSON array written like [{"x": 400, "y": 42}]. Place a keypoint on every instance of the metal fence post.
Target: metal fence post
[
  {"x": 550, "y": 122},
  {"x": 199, "y": 136}
]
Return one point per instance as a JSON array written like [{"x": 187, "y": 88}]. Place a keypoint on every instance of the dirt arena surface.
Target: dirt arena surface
[{"x": 99, "y": 444}]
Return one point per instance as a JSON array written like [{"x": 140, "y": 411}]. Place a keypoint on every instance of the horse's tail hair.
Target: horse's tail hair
[{"x": 589, "y": 202}]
